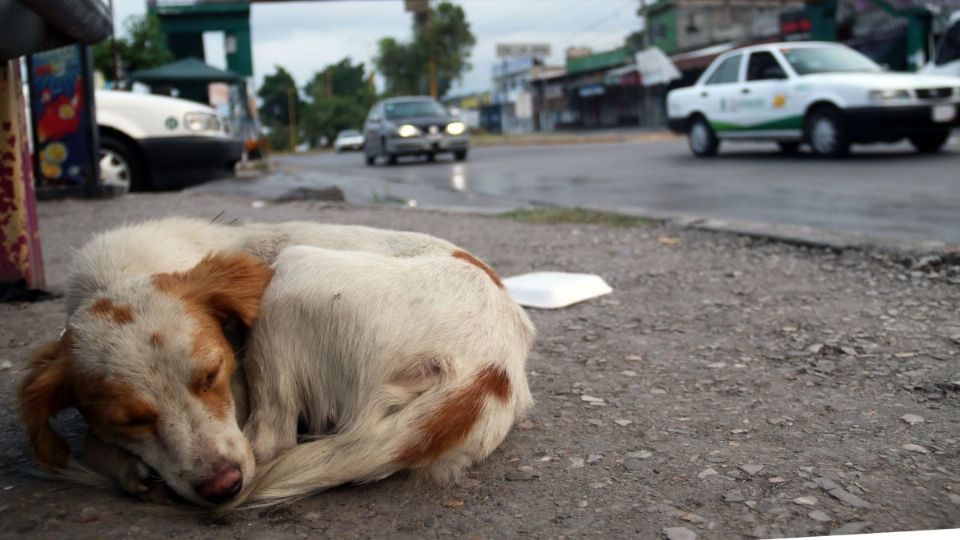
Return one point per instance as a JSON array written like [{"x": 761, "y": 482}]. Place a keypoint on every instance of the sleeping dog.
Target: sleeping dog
[{"x": 389, "y": 351}]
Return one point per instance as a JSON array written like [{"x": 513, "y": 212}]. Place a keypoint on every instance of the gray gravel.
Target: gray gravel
[{"x": 723, "y": 353}]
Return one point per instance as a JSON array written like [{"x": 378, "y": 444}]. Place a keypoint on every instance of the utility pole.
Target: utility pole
[{"x": 292, "y": 118}]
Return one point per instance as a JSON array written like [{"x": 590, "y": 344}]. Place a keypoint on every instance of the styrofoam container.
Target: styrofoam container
[{"x": 553, "y": 290}]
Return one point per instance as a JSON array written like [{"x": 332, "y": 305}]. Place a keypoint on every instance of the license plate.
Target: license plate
[{"x": 944, "y": 113}]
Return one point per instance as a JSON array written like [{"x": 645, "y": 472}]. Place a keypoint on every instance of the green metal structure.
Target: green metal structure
[{"x": 823, "y": 17}]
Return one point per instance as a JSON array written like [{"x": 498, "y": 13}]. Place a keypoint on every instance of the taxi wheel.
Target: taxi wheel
[
  {"x": 930, "y": 143},
  {"x": 826, "y": 133},
  {"x": 119, "y": 167},
  {"x": 701, "y": 138}
]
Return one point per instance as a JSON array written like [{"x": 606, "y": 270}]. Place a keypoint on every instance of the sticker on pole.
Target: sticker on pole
[{"x": 553, "y": 290}]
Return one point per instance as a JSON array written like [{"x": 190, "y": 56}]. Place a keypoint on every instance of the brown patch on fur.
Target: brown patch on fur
[
  {"x": 219, "y": 287},
  {"x": 120, "y": 313},
  {"x": 157, "y": 340},
  {"x": 463, "y": 255},
  {"x": 43, "y": 393},
  {"x": 115, "y": 407},
  {"x": 456, "y": 415}
]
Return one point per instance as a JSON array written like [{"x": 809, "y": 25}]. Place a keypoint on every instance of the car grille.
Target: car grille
[
  {"x": 934, "y": 93},
  {"x": 434, "y": 128}
]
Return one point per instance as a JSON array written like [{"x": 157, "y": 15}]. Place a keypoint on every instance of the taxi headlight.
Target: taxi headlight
[
  {"x": 199, "y": 122},
  {"x": 408, "y": 130},
  {"x": 456, "y": 128},
  {"x": 888, "y": 95}
]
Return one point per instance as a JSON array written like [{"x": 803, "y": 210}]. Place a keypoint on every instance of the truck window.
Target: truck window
[
  {"x": 950, "y": 48},
  {"x": 727, "y": 72}
]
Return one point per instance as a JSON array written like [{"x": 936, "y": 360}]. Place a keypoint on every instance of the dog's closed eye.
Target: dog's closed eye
[{"x": 206, "y": 382}]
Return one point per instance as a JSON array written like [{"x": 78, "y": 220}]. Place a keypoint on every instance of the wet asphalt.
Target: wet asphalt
[{"x": 885, "y": 191}]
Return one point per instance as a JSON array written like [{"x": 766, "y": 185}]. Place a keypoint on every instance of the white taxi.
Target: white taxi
[{"x": 824, "y": 94}]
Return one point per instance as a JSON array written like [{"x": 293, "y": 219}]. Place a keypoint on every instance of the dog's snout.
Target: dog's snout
[{"x": 222, "y": 486}]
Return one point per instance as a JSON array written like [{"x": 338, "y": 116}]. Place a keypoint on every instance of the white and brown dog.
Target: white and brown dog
[{"x": 389, "y": 351}]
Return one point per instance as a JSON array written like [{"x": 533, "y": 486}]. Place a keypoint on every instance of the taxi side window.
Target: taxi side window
[
  {"x": 763, "y": 66},
  {"x": 727, "y": 72},
  {"x": 950, "y": 50}
]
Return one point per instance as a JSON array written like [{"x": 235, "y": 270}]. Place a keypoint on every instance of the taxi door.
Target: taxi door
[
  {"x": 719, "y": 95},
  {"x": 765, "y": 102}
]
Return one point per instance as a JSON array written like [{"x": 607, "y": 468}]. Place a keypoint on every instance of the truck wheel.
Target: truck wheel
[
  {"x": 119, "y": 166},
  {"x": 930, "y": 143},
  {"x": 701, "y": 138},
  {"x": 460, "y": 155},
  {"x": 827, "y": 134}
]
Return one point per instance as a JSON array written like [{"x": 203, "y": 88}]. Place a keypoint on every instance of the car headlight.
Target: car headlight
[
  {"x": 456, "y": 128},
  {"x": 889, "y": 95},
  {"x": 197, "y": 122},
  {"x": 408, "y": 130}
]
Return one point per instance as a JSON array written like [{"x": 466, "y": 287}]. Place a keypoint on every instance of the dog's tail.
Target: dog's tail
[{"x": 436, "y": 435}]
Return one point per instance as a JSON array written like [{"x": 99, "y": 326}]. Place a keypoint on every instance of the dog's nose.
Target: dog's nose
[{"x": 222, "y": 486}]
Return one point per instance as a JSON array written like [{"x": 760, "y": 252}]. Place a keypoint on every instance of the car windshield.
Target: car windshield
[
  {"x": 349, "y": 133},
  {"x": 408, "y": 109},
  {"x": 809, "y": 60}
]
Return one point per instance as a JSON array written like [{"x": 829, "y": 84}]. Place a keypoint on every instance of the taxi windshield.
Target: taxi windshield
[
  {"x": 809, "y": 60},
  {"x": 408, "y": 109}
]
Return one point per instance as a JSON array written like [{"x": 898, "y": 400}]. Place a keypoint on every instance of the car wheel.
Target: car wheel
[
  {"x": 788, "y": 147},
  {"x": 370, "y": 159},
  {"x": 702, "y": 139},
  {"x": 431, "y": 157},
  {"x": 460, "y": 155},
  {"x": 827, "y": 134},
  {"x": 119, "y": 167},
  {"x": 930, "y": 143},
  {"x": 391, "y": 159}
]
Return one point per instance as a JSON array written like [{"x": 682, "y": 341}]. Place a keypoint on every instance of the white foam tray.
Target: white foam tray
[{"x": 553, "y": 290}]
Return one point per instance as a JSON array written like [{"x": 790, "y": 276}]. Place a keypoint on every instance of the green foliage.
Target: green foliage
[
  {"x": 142, "y": 47},
  {"x": 445, "y": 37},
  {"x": 341, "y": 97},
  {"x": 635, "y": 41},
  {"x": 275, "y": 95}
]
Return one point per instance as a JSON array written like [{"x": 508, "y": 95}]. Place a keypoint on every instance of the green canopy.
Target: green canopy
[{"x": 186, "y": 70}]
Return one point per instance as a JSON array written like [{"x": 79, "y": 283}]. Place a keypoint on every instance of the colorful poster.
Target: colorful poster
[{"x": 61, "y": 117}]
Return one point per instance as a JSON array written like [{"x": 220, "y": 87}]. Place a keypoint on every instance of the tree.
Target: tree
[
  {"x": 340, "y": 98},
  {"x": 142, "y": 47},
  {"x": 276, "y": 94},
  {"x": 444, "y": 37}
]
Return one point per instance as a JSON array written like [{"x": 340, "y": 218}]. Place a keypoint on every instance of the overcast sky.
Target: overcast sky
[{"x": 305, "y": 36}]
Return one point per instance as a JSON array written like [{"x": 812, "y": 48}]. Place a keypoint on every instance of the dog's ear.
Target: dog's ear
[
  {"x": 43, "y": 393},
  {"x": 227, "y": 285}
]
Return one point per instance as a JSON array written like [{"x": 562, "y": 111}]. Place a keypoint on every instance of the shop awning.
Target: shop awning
[
  {"x": 655, "y": 68},
  {"x": 186, "y": 70},
  {"x": 700, "y": 58}
]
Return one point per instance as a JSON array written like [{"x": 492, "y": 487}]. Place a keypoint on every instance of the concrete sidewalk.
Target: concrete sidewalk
[{"x": 736, "y": 388}]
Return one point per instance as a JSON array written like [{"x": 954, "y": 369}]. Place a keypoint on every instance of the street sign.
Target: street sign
[{"x": 518, "y": 50}]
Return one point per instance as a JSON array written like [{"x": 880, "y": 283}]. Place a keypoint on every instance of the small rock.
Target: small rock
[
  {"x": 851, "y": 528},
  {"x": 642, "y": 454},
  {"x": 954, "y": 498},
  {"x": 707, "y": 473},
  {"x": 848, "y": 498},
  {"x": 825, "y": 483},
  {"x": 739, "y": 431},
  {"x": 912, "y": 419},
  {"x": 452, "y": 503},
  {"x": 815, "y": 348},
  {"x": 633, "y": 358},
  {"x": 776, "y": 480},
  {"x": 591, "y": 399},
  {"x": 593, "y": 458},
  {"x": 576, "y": 463},
  {"x": 751, "y": 468},
  {"x": 522, "y": 475},
  {"x": 658, "y": 391},
  {"x": 820, "y": 515},
  {"x": 805, "y": 501},
  {"x": 634, "y": 464},
  {"x": 904, "y": 355},
  {"x": 6, "y": 364},
  {"x": 915, "y": 448},
  {"x": 691, "y": 517},
  {"x": 311, "y": 516},
  {"x": 628, "y": 373},
  {"x": 623, "y": 422},
  {"x": 595, "y": 422},
  {"x": 717, "y": 365},
  {"x": 734, "y": 495},
  {"x": 849, "y": 351},
  {"x": 668, "y": 240},
  {"x": 526, "y": 424},
  {"x": 679, "y": 533}
]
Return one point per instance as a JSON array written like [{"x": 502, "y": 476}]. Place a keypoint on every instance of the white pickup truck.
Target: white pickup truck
[
  {"x": 157, "y": 142},
  {"x": 823, "y": 94}
]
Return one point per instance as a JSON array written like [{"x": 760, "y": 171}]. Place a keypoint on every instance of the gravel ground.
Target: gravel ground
[{"x": 729, "y": 388}]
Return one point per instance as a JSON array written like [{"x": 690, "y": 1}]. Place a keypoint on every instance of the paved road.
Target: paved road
[{"x": 879, "y": 191}]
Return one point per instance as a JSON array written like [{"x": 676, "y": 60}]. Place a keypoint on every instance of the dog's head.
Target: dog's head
[{"x": 149, "y": 367}]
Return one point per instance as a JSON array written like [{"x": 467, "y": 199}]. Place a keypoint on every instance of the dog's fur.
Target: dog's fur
[{"x": 389, "y": 350}]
